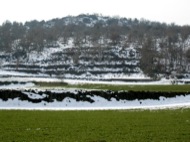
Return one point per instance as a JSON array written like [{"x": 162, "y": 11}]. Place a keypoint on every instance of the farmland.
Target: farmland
[
  {"x": 95, "y": 126},
  {"x": 116, "y": 87},
  {"x": 63, "y": 96},
  {"x": 113, "y": 125},
  {"x": 94, "y": 78}
]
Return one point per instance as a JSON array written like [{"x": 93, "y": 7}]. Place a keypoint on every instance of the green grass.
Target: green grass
[
  {"x": 175, "y": 88},
  {"x": 165, "y": 88},
  {"x": 51, "y": 84},
  {"x": 95, "y": 126}
]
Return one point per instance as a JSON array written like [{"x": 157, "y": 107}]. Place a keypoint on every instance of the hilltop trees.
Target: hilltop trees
[
  {"x": 163, "y": 47},
  {"x": 6, "y": 36},
  {"x": 148, "y": 60}
]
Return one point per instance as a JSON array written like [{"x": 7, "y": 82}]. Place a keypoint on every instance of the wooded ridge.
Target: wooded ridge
[{"x": 94, "y": 45}]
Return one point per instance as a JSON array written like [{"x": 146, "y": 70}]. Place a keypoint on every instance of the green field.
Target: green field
[
  {"x": 95, "y": 126},
  {"x": 166, "y": 88}
]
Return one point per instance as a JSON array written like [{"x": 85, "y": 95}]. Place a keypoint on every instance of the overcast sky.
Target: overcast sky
[{"x": 168, "y": 11}]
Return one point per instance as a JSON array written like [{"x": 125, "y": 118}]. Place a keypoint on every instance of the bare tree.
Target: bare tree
[{"x": 148, "y": 59}]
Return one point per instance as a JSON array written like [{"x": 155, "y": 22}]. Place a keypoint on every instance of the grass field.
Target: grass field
[
  {"x": 95, "y": 126},
  {"x": 166, "y": 88}
]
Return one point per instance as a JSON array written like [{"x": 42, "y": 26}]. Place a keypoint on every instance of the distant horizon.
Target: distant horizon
[
  {"x": 163, "y": 11},
  {"x": 99, "y": 14}
]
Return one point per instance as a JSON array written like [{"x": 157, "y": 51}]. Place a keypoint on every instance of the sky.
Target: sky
[{"x": 167, "y": 11}]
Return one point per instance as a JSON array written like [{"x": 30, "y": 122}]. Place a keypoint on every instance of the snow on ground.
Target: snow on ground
[
  {"x": 17, "y": 86},
  {"x": 29, "y": 79},
  {"x": 8, "y": 76},
  {"x": 13, "y": 73},
  {"x": 25, "y": 77},
  {"x": 127, "y": 76},
  {"x": 73, "y": 81},
  {"x": 160, "y": 82},
  {"x": 99, "y": 104},
  {"x": 71, "y": 104},
  {"x": 34, "y": 95},
  {"x": 47, "y": 52}
]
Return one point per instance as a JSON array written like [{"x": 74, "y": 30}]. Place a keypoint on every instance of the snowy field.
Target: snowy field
[
  {"x": 98, "y": 104},
  {"x": 71, "y": 104}
]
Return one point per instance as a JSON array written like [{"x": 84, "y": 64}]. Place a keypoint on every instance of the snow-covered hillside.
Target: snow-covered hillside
[
  {"x": 94, "y": 47},
  {"x": 68, "y": 62}
]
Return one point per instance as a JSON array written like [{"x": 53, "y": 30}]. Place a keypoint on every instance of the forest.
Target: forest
[{"x": 162, "y": 47}]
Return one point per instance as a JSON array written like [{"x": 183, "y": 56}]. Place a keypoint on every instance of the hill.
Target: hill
[{"x": 95, "y": 47}]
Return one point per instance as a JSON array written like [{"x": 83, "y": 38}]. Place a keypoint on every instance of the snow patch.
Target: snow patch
[{"x": 99, "y": 104}]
